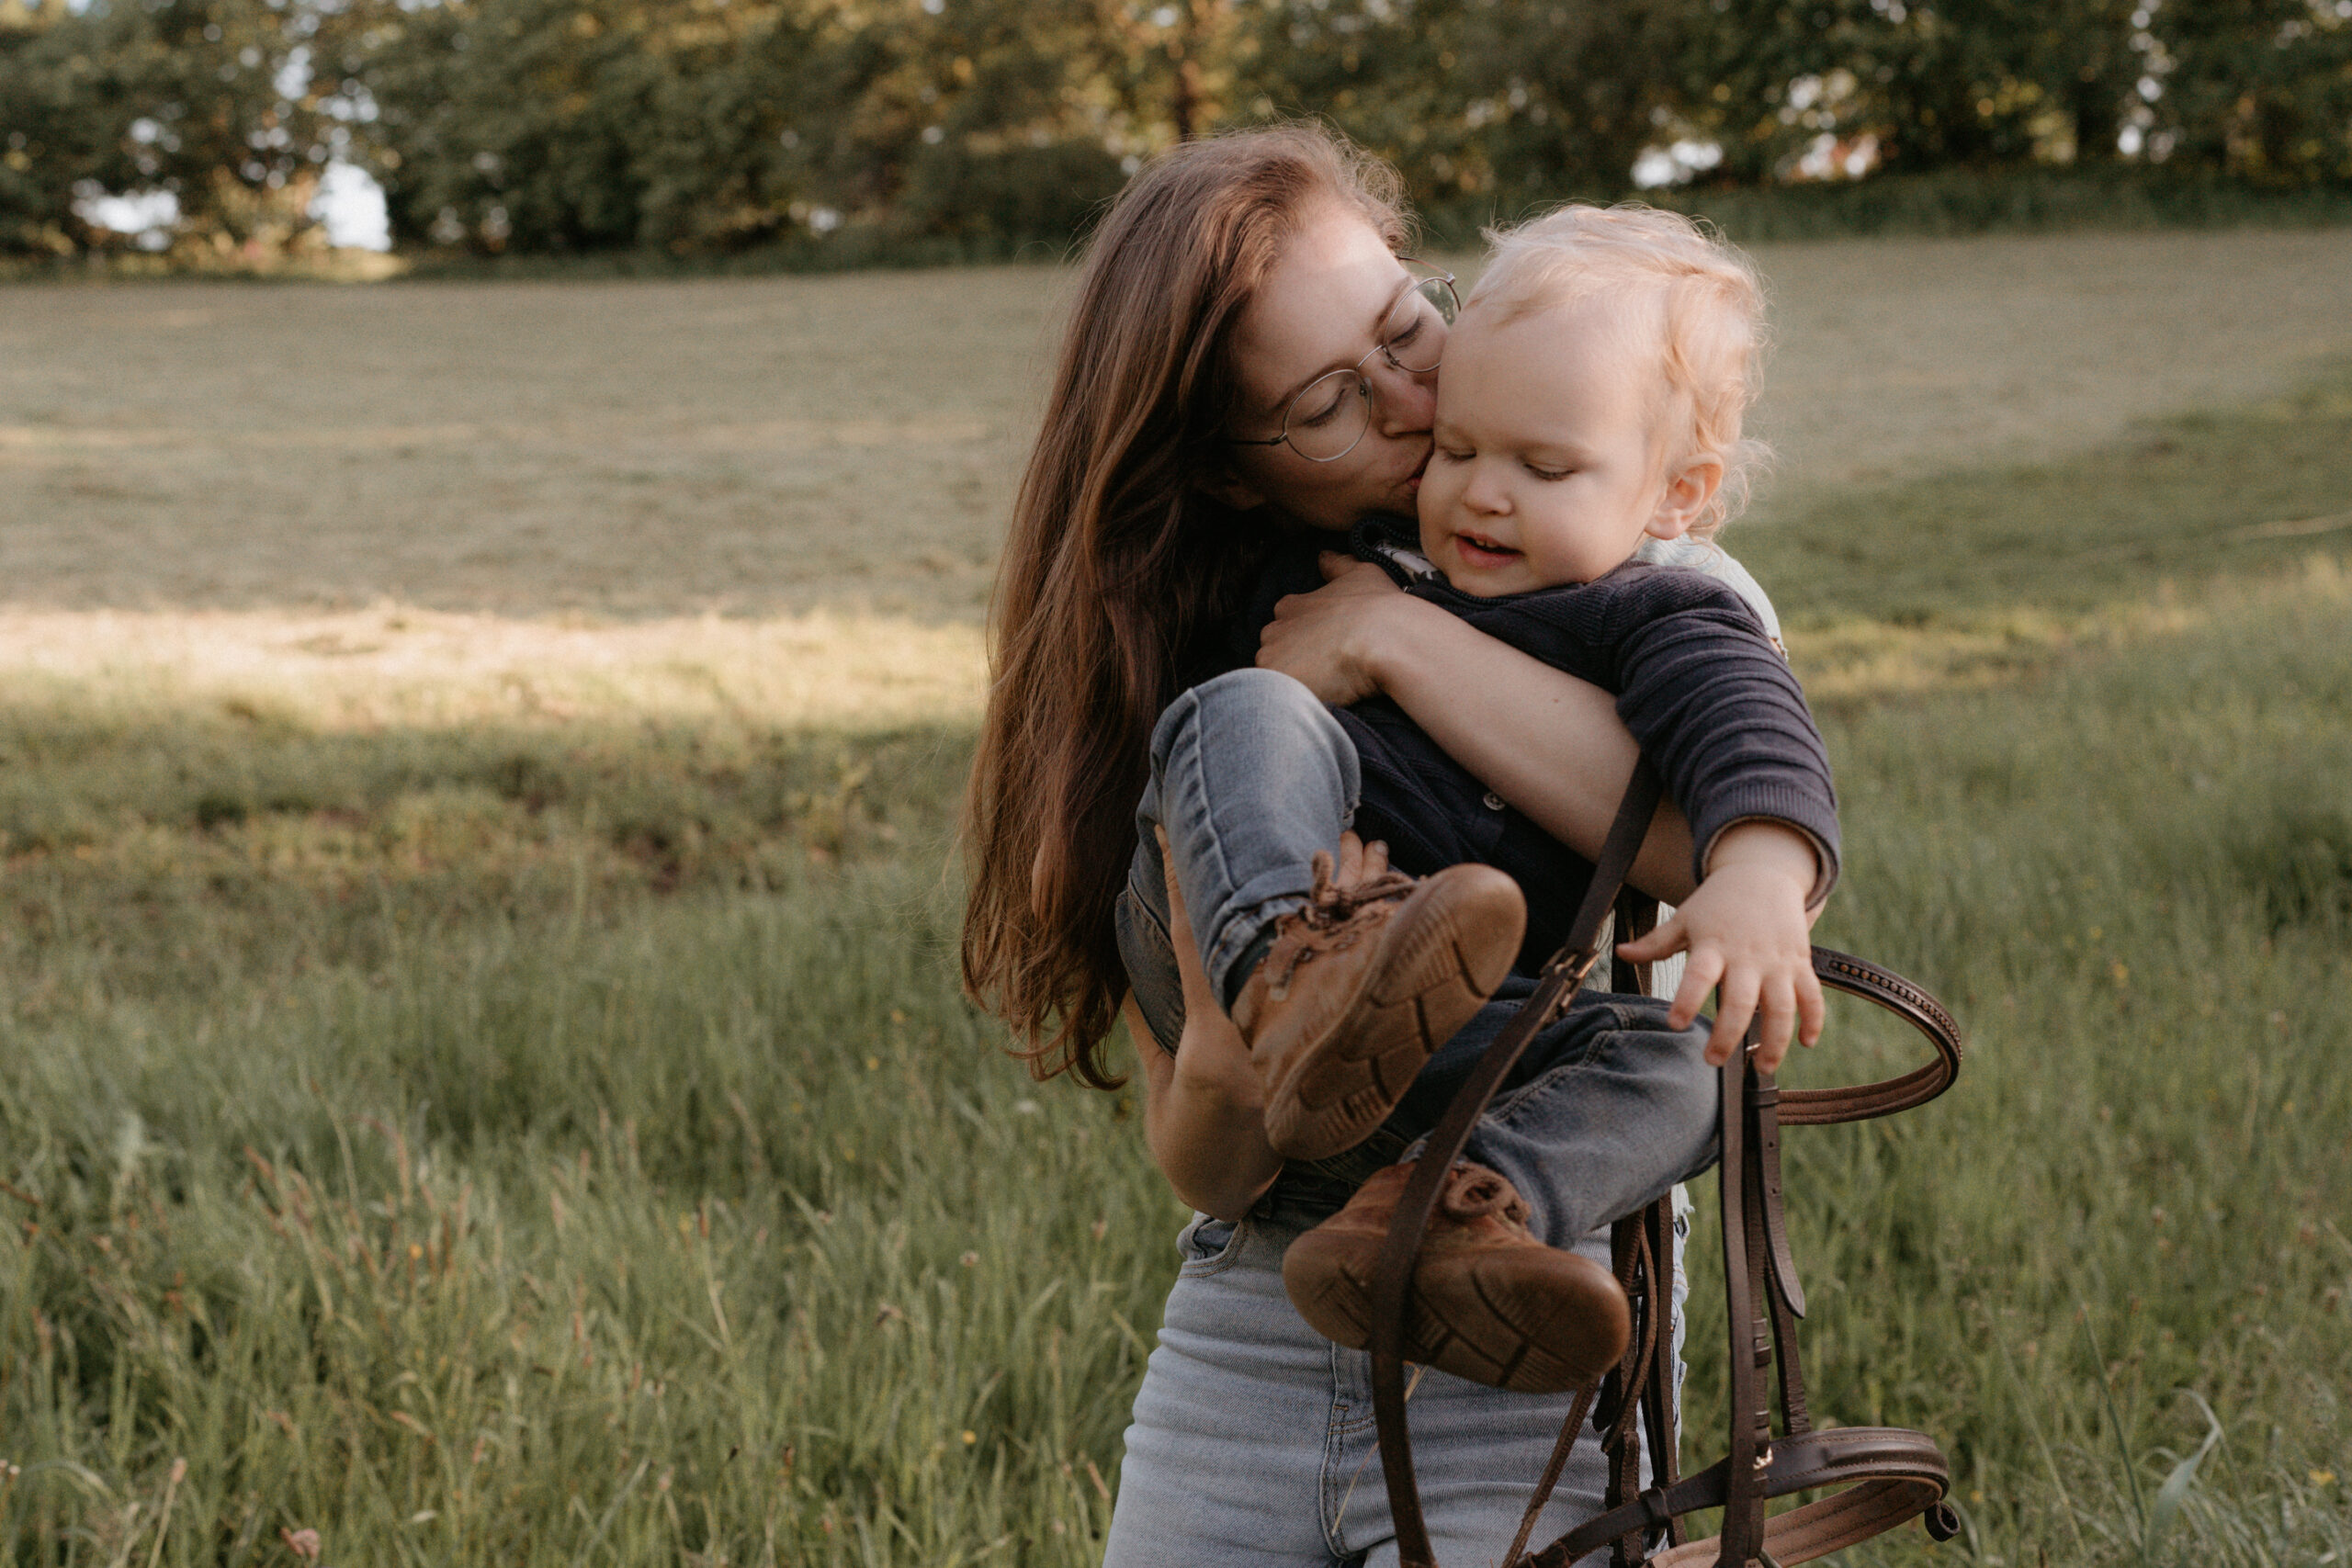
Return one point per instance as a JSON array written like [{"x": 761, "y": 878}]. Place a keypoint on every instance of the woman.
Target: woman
[{"x": 1231, "y": 277}]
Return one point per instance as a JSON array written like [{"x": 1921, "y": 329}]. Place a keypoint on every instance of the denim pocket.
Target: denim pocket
[{"x": 1208, "y": 1245}]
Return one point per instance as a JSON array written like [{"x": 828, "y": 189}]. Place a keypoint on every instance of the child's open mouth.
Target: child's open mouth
[{"x": 1478, "y": 551}]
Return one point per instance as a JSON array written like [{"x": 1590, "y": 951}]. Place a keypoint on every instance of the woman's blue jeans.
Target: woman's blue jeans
[{"x": 1252, "y": 1440}]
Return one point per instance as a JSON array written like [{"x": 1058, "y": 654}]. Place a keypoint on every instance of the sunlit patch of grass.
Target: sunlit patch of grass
[{"x": 393, "y": 665}]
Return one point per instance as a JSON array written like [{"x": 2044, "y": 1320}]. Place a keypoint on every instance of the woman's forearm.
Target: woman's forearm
[
  {"x": 1204, "y": 1115},
  {"x": 1550, "y": 744}
]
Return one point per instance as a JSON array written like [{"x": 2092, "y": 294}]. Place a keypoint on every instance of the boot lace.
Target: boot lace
[
  {"x": 1472, "y": 1192},
  {"x": 1332, "y": 909}
]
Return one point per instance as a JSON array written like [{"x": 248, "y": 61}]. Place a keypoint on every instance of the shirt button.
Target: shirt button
[{"x": 1494, "y": 801}]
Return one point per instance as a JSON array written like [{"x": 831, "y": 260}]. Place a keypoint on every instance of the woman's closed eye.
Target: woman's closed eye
[{"x": 1325, "y": 407}]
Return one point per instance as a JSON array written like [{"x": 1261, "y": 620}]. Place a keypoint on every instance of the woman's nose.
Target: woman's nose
[{"x": 1406, "y": 400}]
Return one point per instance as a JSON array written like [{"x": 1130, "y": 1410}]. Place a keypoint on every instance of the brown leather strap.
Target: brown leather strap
[
  {"x": 1570, "y": 1430},
  {"x": 1888, "y": 1475},
  {"x": 1859, "y": 1102},
  {"x": 1637, "y": 1271},
  {"x": 1751, "y": 1417},
  {"x": 1636, "y": 917},
  {"x": 1392, "y": 1274},
  {"x": 1764, "y": 1103},
  {"x": 1659, "y": 1393}
]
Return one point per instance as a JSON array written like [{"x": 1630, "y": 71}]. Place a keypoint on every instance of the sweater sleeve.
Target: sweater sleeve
[{"x": 1720, "y": 715}]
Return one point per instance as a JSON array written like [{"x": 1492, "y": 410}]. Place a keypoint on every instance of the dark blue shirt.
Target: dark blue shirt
[{"x": 1711, "y": 701}]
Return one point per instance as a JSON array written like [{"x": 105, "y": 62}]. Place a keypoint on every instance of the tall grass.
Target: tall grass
[{"x": 562, "y": 1141}]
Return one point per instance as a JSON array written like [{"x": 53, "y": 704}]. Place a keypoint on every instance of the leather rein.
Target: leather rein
[{"x": 1885, "y": 1475}]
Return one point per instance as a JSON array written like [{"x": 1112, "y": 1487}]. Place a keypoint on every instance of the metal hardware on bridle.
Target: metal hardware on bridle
[{"x": 1886, "y": 1475}]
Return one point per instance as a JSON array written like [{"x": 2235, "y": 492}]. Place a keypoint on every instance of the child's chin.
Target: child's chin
[{"x": 1486, "y": 582}]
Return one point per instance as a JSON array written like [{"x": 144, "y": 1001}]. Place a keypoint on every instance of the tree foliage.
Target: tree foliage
[
  {"x": 700, "y": 125},
  {"x": 183, "y": 97}
]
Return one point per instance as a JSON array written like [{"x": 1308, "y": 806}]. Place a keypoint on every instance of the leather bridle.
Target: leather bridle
[{"x": 1883, "y": 1475}]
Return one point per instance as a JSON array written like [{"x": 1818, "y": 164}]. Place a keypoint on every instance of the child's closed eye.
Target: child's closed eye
[{"x": 1541, "y": 472}]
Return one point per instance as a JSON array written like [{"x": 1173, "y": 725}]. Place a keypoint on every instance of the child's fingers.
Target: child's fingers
[
  {"x": 1699, "y": 977},
  {"x": 1776, "y": 1005},
  {"x": 1734, "y": 1007},
  {"x": 1376, "y": 859},
  {"x": 1664, "y": 940},
  {"x": 1812, "y": 1013}
]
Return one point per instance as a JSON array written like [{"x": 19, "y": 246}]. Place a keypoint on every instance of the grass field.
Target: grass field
[
  {"x": 484, "y": 1081},
  {"x": 851, "y": 442}
]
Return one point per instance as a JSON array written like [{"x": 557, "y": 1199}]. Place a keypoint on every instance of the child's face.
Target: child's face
[{"x": 1547, "y": 470}]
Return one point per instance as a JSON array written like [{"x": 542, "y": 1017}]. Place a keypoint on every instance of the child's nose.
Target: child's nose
[{"x": 1485, "y": 493}]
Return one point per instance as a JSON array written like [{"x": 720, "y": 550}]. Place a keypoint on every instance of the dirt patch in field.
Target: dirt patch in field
[{"x": 759, "y": 446}]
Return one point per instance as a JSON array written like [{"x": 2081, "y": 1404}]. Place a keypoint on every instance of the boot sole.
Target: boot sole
[
  {"x": 1438, "y": 959},
  {"x": 1528, "y": 1319}
]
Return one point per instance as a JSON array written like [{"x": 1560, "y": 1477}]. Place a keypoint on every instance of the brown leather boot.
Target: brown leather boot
[
  {"x": 1489, "y": 1301},
  {"x": 1362, "y": 986}
]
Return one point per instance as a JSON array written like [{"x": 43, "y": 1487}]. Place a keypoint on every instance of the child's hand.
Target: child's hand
[{"x": 1747, "y": 930}]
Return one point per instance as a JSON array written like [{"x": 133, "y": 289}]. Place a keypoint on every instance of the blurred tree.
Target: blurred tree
[
  {"x": 1819, "y": 88},
  {"x": 205, "y": 99},
  {"x": 2258, "y": 89},
  {"x": 974, "y": 126},
  {"x": 1488, "y": 104},
  {"x": 699, "y": 125}
]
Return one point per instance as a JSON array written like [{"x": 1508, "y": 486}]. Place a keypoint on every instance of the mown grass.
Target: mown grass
[{"x": 563, "y": 1141}]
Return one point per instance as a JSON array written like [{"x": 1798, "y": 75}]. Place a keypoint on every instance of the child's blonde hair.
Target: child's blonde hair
[{"x": 1713, "y": 313}]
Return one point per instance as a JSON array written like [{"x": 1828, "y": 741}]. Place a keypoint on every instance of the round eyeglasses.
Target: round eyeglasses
[{"x": 1331, "y": 413}]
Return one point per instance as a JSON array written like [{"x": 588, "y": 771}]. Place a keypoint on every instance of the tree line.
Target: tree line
[{"x": 711, "y": 126}]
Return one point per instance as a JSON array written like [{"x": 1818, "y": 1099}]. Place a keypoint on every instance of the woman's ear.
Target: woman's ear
[{"x": 1689, "y": 489}]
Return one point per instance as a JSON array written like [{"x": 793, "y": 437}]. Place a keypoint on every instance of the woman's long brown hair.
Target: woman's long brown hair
[{"x": 1118, "y": 567}]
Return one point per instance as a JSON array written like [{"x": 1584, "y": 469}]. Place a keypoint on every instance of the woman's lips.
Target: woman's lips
[{"x": 1413, "y": 479}]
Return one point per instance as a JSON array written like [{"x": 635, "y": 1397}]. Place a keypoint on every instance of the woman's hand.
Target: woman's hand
[
  {"x": 1329, "y": 640},
  {"x": 1205, "y": 1108},
  {"x": 1747, "y": 930}
]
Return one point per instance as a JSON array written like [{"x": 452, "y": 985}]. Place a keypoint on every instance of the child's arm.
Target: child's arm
[
  {"x": 1204, "y": 1115},
  {"x": 1747, "y": 930},
  {"x": 1551, "y": 744}
]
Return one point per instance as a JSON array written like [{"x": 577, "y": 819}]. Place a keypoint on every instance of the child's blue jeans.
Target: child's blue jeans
[{"x": 1250, "y": 777}]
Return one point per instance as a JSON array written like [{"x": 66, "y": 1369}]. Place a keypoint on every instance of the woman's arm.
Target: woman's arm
[
  {"x": 1550, "y": 744},
  {"x": 1203, "y": 1116}
]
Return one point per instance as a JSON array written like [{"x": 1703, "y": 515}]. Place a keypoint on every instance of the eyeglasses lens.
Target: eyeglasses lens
[
  {"x": 1414, "y": 334},
  {"x": 1329, "y": 417}
]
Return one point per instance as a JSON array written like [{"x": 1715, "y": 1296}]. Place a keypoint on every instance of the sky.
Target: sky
[{"x": 350, "y": 203}]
